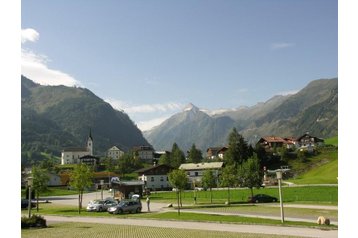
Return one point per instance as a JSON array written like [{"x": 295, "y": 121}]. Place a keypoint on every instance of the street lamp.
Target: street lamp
[
  {"x": 279, "y": 178},
  {"x": 29, "y": 184},
  {"x": 102, "y": 182}
]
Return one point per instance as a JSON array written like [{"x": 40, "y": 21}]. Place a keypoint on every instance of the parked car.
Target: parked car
[
  {"x": 25, "y": 204},
  {"x": 130, "y": 206},
  {"x": 100, "y": 205},
  {"x": 262, "y": 198}
]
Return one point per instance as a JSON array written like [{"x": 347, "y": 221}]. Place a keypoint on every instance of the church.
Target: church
[{"x": 73, "y": 155}]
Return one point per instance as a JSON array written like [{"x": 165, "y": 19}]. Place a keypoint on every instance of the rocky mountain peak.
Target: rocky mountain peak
[{"x": 191, "y": 107}]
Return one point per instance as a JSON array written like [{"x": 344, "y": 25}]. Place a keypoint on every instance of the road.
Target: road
[{"x": 159, "y": 207}]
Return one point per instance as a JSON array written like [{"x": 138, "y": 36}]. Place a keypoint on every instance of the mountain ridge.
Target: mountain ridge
[
  {"x": 314, "y": 108},
  {"x": 54, "y": 117}
]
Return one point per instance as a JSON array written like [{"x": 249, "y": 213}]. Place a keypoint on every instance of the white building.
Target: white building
[
  {"x": 72, "y": 155},
  {"x": 195, "y": 171},
  {"x": 156, "y": 177},
  {"x": 114, "y": 153}
]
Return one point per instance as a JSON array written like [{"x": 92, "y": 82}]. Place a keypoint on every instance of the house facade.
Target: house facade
[
  {"x": 216, "y": 152},
  {"x": 308, "y": 142},
  {"x": 195, "y": 171},
  {"x": 144, "y": 152},
  {"x": 114, "y": 152},
  {"x": 156, "y": 177}
]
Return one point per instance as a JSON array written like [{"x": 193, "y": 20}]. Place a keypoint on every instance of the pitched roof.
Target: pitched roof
[
  {"x": 273, "y": 139},
  {"x": 75, "y": 149},
  {"x": 201, "y": 166},
  {"x": 144, "y": 170}
]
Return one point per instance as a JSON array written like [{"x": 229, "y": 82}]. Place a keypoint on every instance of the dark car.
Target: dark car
[
  {"x": 262, "y": 198},
  {"x": 25, "y": 204},
  {"x": 130, "y": 206}
]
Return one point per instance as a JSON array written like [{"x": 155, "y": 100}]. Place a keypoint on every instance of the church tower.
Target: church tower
[{"x": 90, "y": 143}]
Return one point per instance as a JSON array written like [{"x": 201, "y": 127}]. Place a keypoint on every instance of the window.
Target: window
[
  {"x": 161, "y": 179},
  {"x": 152, "y": 179}
]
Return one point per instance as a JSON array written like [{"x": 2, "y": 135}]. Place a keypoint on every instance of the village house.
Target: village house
[
  {"x": 308, "y": 142},
  {"x": 216, "y": 152},
  {"x": 114, "y": 152},
  {"x": 195, "y": 171},
  {"x": 156, "y": 177},
  {"x": 144, "y": 152}
]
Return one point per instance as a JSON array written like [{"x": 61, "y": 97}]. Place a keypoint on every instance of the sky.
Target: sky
[{"x": 151, "y": 58}]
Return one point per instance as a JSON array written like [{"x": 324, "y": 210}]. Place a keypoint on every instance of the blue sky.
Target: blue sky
[{"x": 151, "y": 58}]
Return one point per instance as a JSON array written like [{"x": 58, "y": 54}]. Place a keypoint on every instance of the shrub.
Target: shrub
[{"x": 34, "y": 221}]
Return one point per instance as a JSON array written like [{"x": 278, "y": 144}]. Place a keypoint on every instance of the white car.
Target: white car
[{"x": 100, "y": 205}]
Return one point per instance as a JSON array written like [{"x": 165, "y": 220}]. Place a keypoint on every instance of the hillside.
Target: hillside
[
  {"x": 54, "y": 117},
  {"x": 313, "y": 109}
]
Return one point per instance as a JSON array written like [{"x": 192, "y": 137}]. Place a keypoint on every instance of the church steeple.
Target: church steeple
[{"x": 90, "y": 143}]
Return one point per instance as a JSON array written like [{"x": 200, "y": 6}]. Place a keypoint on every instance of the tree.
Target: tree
[
  {"x": 238, "y": 150},
  {"x": 209, "y": 181},
  {"x": 178, "y": 179},
  {"x": 228, "y": 179},
  {"x": 195, "y": 155},
  {"x": 81, "y": 178},
  {"x": 177, "y": 156},
  {"x": 164, "y": 159},
  {"x": 40, "y": 180},
  {"x": 250, "y": 174}
]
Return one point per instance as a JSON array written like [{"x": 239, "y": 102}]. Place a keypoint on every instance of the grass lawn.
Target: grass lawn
[
  {"x": 306, "y": 194},
  {"x": 324, "y": 172},
  {"x": 54, "y": 191},
  {"x": 331, "y": 141},
  {"x": 90, "y": 230}
]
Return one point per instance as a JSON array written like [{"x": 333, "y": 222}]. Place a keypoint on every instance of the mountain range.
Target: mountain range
[
  {"x": 55, "y": 117},
  {"x": 313, "y": 109}
]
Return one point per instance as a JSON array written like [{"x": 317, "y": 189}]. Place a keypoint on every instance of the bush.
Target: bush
[{"x": 34, "y": 221}]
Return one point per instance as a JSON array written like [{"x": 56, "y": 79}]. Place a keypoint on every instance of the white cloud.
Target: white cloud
[
  {"x": 29, "y": 34},
  {"x": 147, "y": 116},
  {"x": 290, "y": 92},
  {"x": 150, "y": 124},
  {"x": 144, "y": 108},
  {"x": 35, "y": 66},
  {"x": 281, "y": 45}
]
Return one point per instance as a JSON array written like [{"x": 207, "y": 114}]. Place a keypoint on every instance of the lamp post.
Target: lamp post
[
  {"x": 102, "y": 183},
  {"x": 279, "y": 178},
  {"x": 29, "y": 184}
]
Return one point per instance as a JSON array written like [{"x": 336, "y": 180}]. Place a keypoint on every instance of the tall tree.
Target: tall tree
[
  {"x": 228, "y": 179},
  {"x": 40, "y": 180},
  {"x": 250, "y": 174},
  {"x": 81, "y": 178},
  {"x": 209, "y": 181},
  {"x": 177, "y": 156},
  {"x": 178, "y": 179},
  {"x": 164, "y": 159},
  {"x": 195, "y": 155},
  {"x": 238, "y": 150}
]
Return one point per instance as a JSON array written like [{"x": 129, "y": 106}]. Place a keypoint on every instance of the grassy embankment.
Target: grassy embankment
[{"x": 320, "y": 169}]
